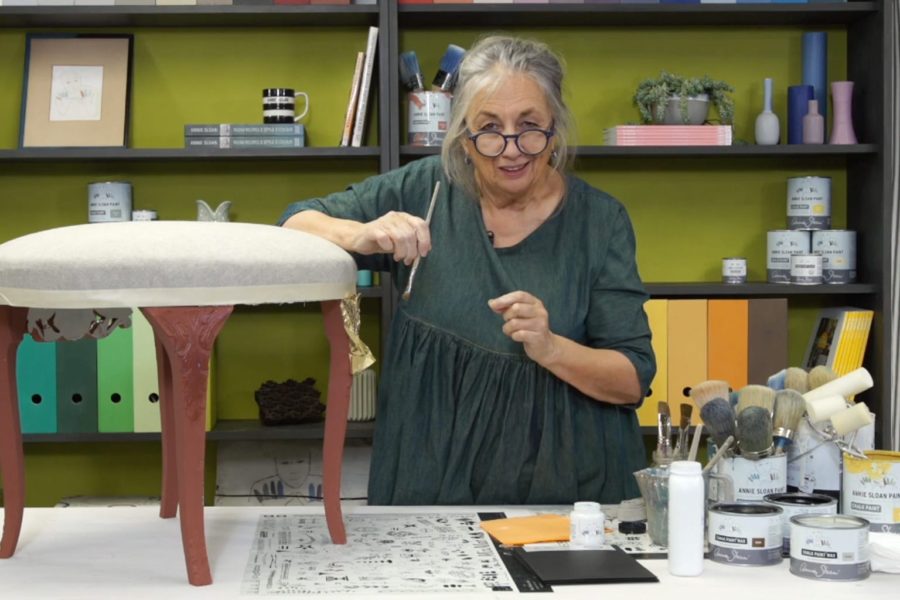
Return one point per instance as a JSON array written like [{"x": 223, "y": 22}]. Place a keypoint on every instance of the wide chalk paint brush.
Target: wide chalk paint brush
[
  {"x": 754, "y": 432},
  {"x": 797, "y": 379},
  {"x": 755, "y": 395},
  {"x": 718, "y": 419},
  {"x": 789, "y": 408},
  {"x": 446, "y": 75},
  {"x": 705, "y": 391},
  {"x": 820, "y": 375}
]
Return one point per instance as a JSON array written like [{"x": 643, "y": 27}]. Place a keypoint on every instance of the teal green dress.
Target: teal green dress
[{"x": 463, "y": 415}]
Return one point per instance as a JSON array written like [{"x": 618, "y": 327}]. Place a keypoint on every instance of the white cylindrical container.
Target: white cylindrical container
[
  {"x": 429, "y": 117},
  {"x": 780, "y": 245},
  {"x": 109, "y": 201},
  {"x": 830, "y": 547},
  {"x": 806, "y": 269},
  {"x": 586, "y": 526},
  {"x": 734, "y": 270},
  {"x": 838, "y": 250},
  {"x": 809, "y": 203},
  {"x": 686, "y": 518}
]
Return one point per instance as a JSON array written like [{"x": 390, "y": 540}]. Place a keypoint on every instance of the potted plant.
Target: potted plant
[{"x": 671, "y": 99}]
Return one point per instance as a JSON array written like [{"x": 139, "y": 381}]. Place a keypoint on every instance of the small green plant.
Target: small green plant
[{"x": 652, "y": 95}]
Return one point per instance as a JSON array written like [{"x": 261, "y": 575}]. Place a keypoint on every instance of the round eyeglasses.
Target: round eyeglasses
[{"x": 530, "y": 141}]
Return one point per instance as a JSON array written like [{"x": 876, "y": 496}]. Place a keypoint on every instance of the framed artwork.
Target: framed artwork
[{"x": 76, "y": 90}]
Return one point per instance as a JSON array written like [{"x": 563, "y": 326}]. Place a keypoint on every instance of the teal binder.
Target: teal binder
[
  {"x": 36, "y": 377},
  {"x": 115, "y": 386},
  {"x": 76, "y": 386}
]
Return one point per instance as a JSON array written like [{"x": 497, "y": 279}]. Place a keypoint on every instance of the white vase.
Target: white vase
[{"x": 767, "y": 128}]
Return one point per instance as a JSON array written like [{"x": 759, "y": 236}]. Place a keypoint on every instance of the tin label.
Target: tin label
[
  {"x": 806, "y": 269},
  {"x": 780, "y": 245},
  {"x": 109, "y": 201},
  {"x": 734, "y": 270},
  {"x": 871, "y": 489},
  {"x": 809, "y": 203},
  {"x": 429, "y": 117},
  {"x": 745, "y": 538},
  {"x": 821, "y": 551},
  {"x": 799, "y": 504},
  {"x": 755, "y": 479},
  {"x": 838, "y": 250}
]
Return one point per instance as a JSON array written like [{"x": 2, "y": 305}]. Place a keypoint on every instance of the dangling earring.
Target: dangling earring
[
  {"x": 468, "y": 160},
  {"x": 554, "y": 158}
]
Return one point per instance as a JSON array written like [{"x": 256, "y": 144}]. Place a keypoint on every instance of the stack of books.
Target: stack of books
[
  {"x": 356, "y": 117},
  {"x": 839, "y": 338},
  {"x": 229, "y": 136},
  {"x": 668, "y": 135}
]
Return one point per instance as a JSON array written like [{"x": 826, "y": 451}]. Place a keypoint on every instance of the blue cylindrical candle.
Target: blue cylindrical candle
[
  {"x": 815, "y": 67},
  {"x": 798, "y": 103}
]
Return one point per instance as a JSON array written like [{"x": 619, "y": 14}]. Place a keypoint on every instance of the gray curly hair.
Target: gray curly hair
[{"x": 503, "y": 55}]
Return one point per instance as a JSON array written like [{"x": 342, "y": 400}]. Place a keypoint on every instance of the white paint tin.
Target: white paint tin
[
  {"x": 838, "y": 250},
  {"x": 830, "y": 547},
  {"x": 109, "y": 201},
  {"x": 745, "y": 534},
  {"x": 586, "y": 523},
  {"x": 780, "y": 245},
  {"x": 755, "y": 479},
  {"x": 798, "y": 503},
  {"x": 871, "y": 489},
  {"x": 806, "y": 269},
  {"x": 429, "y": 117},
  {"x": 734, "y": 270},
  {"x": 809, "y": 203}
]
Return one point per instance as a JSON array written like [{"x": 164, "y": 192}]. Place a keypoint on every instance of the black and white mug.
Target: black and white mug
[{"x": 279, "y": 103}]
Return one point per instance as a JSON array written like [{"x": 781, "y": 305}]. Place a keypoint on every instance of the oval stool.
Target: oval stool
[{"x": 185, "y": 277}]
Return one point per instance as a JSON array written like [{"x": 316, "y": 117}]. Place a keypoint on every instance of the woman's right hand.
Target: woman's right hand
[{"x": 404, "y": 235}]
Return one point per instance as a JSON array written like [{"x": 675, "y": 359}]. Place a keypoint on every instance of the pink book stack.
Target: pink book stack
[{"x": 668, "y": 135}]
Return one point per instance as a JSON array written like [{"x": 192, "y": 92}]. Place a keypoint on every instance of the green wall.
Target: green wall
[{"x": 688, "y": 213}]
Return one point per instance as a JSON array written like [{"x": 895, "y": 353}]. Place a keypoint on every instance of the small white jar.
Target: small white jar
[{"x": 586, "y": 526}]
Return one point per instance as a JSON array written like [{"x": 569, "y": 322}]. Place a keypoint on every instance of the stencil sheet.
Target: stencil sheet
[{"x": 418, "y": 553}]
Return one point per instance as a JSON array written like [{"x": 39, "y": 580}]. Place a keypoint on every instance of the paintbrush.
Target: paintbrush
[
  {"x": 410, "y": 74},
  {"x": 754, "y": 432},
  {"x": 718, "y": 417},
  {"x": 820, "y": 375},
  {"x": 663, "y": 453},
  {"x": 789, "y": 407},
  {"x": 705, "y": 391},
  {"x": 726, "y": 444},
  {"x": 415, "y": 266},
  {"x": 796, "y": 378},
  {"x": 446, "y": 75},
  {"x": 755, "y": 395},
  {"x": 684, "y": 423}
]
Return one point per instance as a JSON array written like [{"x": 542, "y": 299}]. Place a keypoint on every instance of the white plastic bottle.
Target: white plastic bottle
[
  {"x": 686, "y": 518},
  {"x": 586, "y": 526}
]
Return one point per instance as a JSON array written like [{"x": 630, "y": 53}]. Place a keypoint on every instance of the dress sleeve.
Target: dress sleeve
[
  {"x": 407, "y": 189},
  {"x": 616, "y": 319}
]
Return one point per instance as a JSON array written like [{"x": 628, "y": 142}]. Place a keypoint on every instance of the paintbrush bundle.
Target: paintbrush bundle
[
  {"x": 756, "y": 395},
  {"x": 411, "y": 76}
]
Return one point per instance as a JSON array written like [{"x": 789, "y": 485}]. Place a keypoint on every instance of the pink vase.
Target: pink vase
[{"x": 842, "y": 102}]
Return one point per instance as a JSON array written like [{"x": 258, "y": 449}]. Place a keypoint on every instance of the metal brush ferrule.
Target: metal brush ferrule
[{"x": 758, "y": 454}]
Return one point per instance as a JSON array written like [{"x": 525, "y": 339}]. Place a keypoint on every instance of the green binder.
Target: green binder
[
  {"x": 146, "y": 384},
  {"x": 36, "y": 377},
  {"x": 115, "y": 387},
  {"x": 76, "y": 386}
]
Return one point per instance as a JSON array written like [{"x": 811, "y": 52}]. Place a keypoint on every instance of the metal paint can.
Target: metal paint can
[
  {"x": 734, "y": 270},
  {"x": 809, "y": 203},
  {"x": 109, "y": 201},
  {"x": 806, "y": 269},
  {"x": 755, "y": 479},
  {"x": 780, "y": 245},
  {"x": 871, "y": 489},
  {"x": 838, "y": 250},
  {"x": 830, "y": 547},
  {"x": 745, "y": 534},
  {"x": 798, "y": 503},
  {"x": 428, "y": 118}
]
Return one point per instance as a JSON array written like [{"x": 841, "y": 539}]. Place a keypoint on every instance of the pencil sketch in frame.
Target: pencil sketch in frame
[{"x": 76, "y": 90}]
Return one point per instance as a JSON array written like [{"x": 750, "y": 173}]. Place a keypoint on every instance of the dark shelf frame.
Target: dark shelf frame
[
  {"x": 181, "y": 154},
  {"x": 755, "y": 289},
  {"x": 748, "y": 150},
  {"x": 225, "y": 430}
]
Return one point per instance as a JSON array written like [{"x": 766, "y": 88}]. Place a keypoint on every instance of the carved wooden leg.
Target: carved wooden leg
[
  {"x": 12, "y": 461},
  {"x": 168, "y": 506},
  {"x": 188, "y": 334},
  {"x": 339, "y": 381}
]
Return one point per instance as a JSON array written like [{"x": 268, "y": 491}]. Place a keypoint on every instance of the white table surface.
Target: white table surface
[{"x": 129, "y": 553}]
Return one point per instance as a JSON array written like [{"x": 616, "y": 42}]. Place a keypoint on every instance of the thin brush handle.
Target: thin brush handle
[
  {"x": 695, "y": 443},
  {"x": 719, "y": 454},
  {"x": 415, "y": 267}
]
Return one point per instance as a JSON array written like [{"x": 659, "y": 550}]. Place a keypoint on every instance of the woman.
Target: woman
[{"x": 514, "y": 368}]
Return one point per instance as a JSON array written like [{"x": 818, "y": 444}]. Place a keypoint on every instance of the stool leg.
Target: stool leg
[
  {"x": 188, "y": 334},
  {"x": 339, "y": 381},
  {"x": 168, "y": 506},
  {"x": 12, "y": 461}
]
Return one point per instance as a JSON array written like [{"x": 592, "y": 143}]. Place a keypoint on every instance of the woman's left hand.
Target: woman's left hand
[{"x": 526, "y": 321}]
